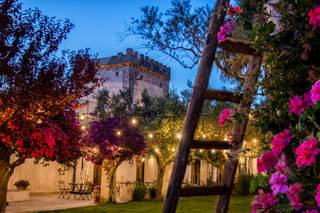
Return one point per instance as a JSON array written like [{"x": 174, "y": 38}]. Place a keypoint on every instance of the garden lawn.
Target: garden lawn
[{"x": 186, "y": 205}]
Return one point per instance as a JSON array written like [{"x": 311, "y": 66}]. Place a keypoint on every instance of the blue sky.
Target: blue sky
[{"x": 99, "y": 22}]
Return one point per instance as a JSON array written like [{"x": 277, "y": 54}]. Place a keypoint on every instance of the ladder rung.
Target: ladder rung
[
  {"x": 238, "y": 46},
  {"x": 201, "y": 144},
  {"x": 221, "y": 95},
  {"x": 203, "y": 191}
]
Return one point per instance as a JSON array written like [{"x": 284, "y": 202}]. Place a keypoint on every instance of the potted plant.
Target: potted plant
[{"x": 22, "y": 185}]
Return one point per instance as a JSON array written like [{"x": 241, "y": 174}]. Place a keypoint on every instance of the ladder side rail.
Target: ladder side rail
[
  {"x": 243, "y": 109},
  {"x": 195, "y": 106}
]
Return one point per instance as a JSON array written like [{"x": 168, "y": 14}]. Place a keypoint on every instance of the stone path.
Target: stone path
[{"x": 46, "y": 202}]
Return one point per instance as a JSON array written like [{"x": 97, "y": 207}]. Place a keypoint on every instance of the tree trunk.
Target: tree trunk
[
  {"x": 112, "y": 182},
  {"x": 5, "y": 173},
  {"x": 160, "y": 182}
]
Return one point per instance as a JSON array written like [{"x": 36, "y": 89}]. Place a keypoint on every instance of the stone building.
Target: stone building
[{"x": 125, "y": 71}]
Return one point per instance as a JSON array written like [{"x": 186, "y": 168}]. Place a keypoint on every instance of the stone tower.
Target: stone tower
[{"x": 134, "y": 72}]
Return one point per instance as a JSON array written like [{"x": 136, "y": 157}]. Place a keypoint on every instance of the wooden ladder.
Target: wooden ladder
[{"x": 199, "y": 95}]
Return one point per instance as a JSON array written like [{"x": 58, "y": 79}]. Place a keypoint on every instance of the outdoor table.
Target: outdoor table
[{"x": 81, "y": 190}]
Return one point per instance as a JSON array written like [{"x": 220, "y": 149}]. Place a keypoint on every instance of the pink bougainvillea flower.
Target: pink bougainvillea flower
[
  {"x": 307, "y": 100},
  {"x": 233, "y": 11},
  {"x": 293, "y": 195},
  {"x": 266, "y": 161},
  {"x": 315, "y": 92},
  {"x": 314, "y": 17},
  {"x": 225, "y": 30},
  {"x": 282, "y": 166},
  {"x": 306, "y": 152},
  {"x": 278, "y": 183},
  {"x": 317, "y": 197},
  {"x": 224, "y": 117},
  {"x": 280, "y": 140},
  {"x": 296, "y": 105},
  {"x": 263, "y": 201}
]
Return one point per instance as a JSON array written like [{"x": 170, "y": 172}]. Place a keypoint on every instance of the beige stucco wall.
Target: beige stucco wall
[
  {"x": 150, "y": 170},
  {"x": 44, "y": 179}
]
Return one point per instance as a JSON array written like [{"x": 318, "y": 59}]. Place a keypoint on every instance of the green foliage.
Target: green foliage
[
  {"x": 152, "y": 192},
  {"x": 242, "y": 185},
  {"x": 139, "y": 192},
  {"x": 259, "y": 182},
  {"x": 117, "y": 105}
]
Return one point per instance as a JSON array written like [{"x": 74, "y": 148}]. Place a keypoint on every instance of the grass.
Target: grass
[{"x": 186, "y": 205}]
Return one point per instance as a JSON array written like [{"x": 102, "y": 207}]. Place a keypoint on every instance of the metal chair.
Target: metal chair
[{"x": 64, "y": 191}]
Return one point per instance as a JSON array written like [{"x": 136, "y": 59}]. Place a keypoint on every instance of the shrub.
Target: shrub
[
  {"x": 139, "y": 192},
  {"x": 153, "y": 192},
  {"x": 242, "y": 185}
]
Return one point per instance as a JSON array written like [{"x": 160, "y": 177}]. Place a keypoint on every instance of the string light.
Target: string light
[
  {"x": 201, "y": 150},
  {"x": 157, "y": 150},
  {"x": 82, "y": 117},
  {"x": 213, "y": 151},
  {"x": 150, "y": 135},
  {"x": 39, "y": 121},
  {"x": 173, "y": 149},
  {"x": 204, "y": 136},
  {"x": 142, "y": 159},
  {"x": 255, "y": 141},
  {"x": 179, "y": 136},
  {"x": 83, "y": 127},
  {"x": 118, "y": 133},
  {"x": 134, "y": 121}
]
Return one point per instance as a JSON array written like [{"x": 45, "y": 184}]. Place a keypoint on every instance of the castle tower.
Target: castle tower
[{"x": 131, "y": 71}]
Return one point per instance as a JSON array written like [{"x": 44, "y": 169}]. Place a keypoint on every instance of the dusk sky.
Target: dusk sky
[{"x": 98, "y": 24}]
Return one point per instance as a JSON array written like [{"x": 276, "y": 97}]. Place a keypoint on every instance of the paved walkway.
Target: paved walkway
[{"x": 46, "y": 202}]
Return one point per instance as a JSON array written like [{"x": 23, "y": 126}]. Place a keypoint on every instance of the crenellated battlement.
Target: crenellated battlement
[{"x": 138, "y": 59}]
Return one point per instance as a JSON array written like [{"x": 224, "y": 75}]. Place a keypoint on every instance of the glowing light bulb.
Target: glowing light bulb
[
  {"x": 157, "y": 150},
  {"x": 204, "y": 136},
  {"x": 143, "y": 159},
  {"x": 201, "y": 150},
  {"x": 134, "y": 121},
  {"x": 213, "y": 151},
  {"x": 173, "y": 149},
  {"x": 179, "y": 136},
  {"x": 150, "y": 135},
  {"x": 118, "y": 133},
  {"x": 82, "y": 117},
  {"x": 83, "y": 127},
  {"x": 255, "y": 141}
]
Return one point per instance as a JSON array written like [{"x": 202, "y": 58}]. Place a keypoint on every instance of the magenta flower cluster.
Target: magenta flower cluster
[
  {"x": 225, "y": 30},
  {"x": 224, "y": 117},
  {"x": 278, "y": 182},
  {"x": 266, "y": 161},
  {"x": 314, "y": 17},
  {"x": 307, "y": 152},
  {"x": 280, "y": 141},
  {"x": 263, "y": 201},
  {"x": 294, "y": 195},
  {"x": 298, "y": 104}
]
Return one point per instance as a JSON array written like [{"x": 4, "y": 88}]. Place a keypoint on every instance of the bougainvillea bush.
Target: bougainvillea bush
[
  {"x": 293, "y": 163},
  {"x": 109, "y": 142}
]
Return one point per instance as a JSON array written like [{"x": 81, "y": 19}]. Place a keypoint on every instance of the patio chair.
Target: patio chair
[
  {"x": 86, "y": 191},
  {"x": 64, "y": 191}
]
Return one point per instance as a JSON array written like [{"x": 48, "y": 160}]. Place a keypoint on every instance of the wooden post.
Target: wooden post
[
  {"x": 195, "y": 106},
  {"x": 239, "y": 131}
]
